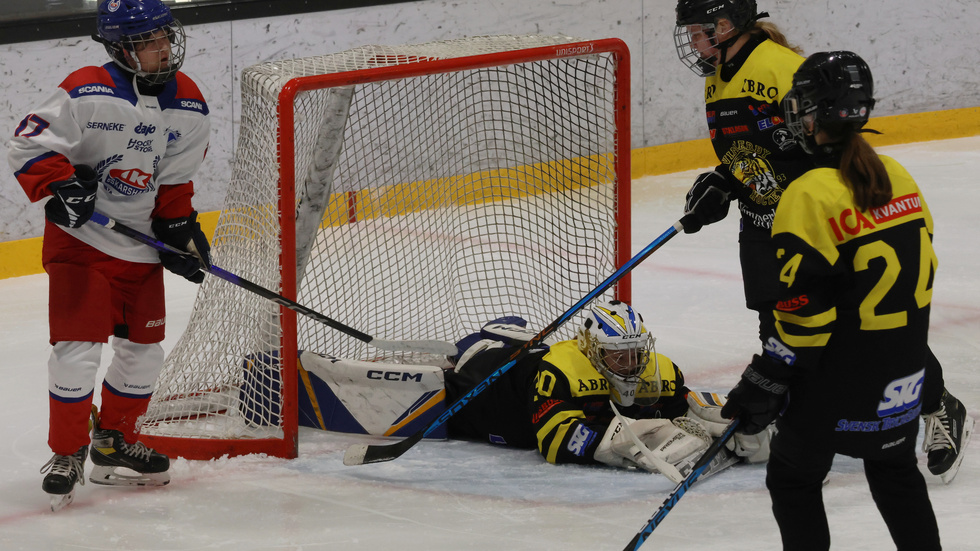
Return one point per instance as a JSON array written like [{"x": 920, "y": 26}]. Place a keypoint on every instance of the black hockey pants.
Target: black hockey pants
[{"x": 795, "y": 477}]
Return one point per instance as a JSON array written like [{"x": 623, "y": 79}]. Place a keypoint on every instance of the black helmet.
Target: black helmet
[
  {"x": 702, "y": 16},
  {"x": 742, "y": 13},
  {"x": 829, "y": 89}
]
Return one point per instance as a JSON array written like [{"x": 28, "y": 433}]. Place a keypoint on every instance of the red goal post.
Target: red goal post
[{"x": 410, "y": 192}]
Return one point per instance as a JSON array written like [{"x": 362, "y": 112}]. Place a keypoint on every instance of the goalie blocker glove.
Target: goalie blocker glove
[
  {"x": 707, "y": 201},
  {"x": 184, "y": 234},
  {"x": 73, "y": 200},
  {"x": 759, "y": 396}
]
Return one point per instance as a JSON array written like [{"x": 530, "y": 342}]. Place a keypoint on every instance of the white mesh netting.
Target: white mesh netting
[{"x": 425, "y": 205}]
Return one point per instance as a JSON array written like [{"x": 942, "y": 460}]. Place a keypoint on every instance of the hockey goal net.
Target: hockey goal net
[{"x": 410, "y": 192}]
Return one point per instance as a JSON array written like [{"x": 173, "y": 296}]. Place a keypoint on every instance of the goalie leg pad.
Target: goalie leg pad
[{"x": 705, "y": 407}]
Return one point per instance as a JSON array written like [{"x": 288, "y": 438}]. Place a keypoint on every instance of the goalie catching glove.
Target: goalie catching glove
[
  {"x": 675, "y": 445},
  {"x": 184, "y": 234}
]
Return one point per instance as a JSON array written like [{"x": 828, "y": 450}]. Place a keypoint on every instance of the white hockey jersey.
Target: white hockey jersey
[{"x": 137, "y": 144}]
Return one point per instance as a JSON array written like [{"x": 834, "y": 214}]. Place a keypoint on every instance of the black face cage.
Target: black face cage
[
  {"x": 795, "y": 108},
  {"x": 175, "y": 34},
  {"x": 688, "y": 54}
]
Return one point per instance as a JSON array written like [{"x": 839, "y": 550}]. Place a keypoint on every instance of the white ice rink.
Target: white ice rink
[{"x": 458, "y": 495}]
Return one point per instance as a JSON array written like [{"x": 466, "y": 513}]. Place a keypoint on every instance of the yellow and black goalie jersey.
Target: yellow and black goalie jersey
[
  {"x": 853, "y": 310},
  {"x": 570, "y": 402},
  {"x": 554, "y": 400}
]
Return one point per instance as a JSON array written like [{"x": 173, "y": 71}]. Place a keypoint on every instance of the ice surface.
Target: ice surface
[{"x": 460, "y": 495}]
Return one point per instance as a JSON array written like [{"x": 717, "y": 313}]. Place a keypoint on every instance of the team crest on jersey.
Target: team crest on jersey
[
  {"x": 129, "y": 181},
  {"x": 748, "y": 163},
  {"x": 172, "y": 135}
]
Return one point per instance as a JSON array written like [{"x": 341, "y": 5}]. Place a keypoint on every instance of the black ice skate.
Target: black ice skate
[
  {"x": 117, "y": 463},
  {"x": 947, "y": 434},
  {"x": 64, "y": 471}
]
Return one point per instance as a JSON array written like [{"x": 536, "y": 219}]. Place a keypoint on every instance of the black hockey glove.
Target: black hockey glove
[
  {"x": 184, "y": 234},
  {"x": 73, "y": 200},
  {"x": 759, "y": 396},
  {"x": 707, "y": 201}
]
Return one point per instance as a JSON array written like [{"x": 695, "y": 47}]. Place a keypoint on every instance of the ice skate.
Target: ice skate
[
  {"x": 117, "y": 463},
  {"x": 63, "y": 472},
  {"x": 947, "y": 433}
]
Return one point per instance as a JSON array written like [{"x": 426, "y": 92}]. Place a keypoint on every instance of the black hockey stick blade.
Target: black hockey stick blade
[
  {"x": 699, "y": 468},
  {"x": 360, "y": 454},
  {"x": 427, "y": 346}
]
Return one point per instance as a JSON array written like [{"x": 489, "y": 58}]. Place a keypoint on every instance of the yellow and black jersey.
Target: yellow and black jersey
[
  {"x": 747, "y": 130},
  {"x": 570, "y": 402},
  {"x": 554, "y": 400},
  {"x": 853, "y": 310}
]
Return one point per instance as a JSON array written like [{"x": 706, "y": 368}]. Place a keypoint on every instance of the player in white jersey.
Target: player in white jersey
[{"x": 124, "y": 139}]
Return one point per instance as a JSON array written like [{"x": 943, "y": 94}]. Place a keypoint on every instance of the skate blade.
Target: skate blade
[
  {"x": 121, "y": 476},
  {"x": 949, "y": 475},
  {"x": 60, "y": 501}
]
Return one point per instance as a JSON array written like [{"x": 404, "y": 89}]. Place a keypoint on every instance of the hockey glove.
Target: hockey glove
[
  {"x": 759, "y": 396},
  {"x": 707, "y": 201},
  {"x": 73, "y": 200},
  {"x": 184, "y": 234}
]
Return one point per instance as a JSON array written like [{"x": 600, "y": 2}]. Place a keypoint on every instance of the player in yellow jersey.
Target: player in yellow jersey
[
  {"x": 748, "y": 67},
  {"x": 560, "y": 397},
  {"x": 844, "y": 367}
]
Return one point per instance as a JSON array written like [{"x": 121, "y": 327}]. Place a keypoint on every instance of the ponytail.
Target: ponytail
[
  {"x": 863, "y": 171},
  {"x": 776, "y": 35}
]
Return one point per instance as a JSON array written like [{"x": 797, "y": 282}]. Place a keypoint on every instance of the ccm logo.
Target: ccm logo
[{"x": 379, "y": 375}]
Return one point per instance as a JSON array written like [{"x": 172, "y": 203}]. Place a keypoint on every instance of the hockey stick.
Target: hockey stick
[
  {"x": 426, "y": 346},
  {"x": 360, "y": 454},
  {"x": 699, "y": 468}
]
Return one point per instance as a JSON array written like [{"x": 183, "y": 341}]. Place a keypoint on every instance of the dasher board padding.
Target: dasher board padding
[{"x": 362, "y": 397}]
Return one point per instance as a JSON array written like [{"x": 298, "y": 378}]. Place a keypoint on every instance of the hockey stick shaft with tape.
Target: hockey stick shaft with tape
[
  {"x": 426, "y": 346},
  {"x": 699, "y": 468},
  {"x": 360, "y": 454}
]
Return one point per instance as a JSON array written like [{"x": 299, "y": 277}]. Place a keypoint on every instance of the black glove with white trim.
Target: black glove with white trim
[
  {"x": 73, "y": 200},
  {"x": 707, "y": 201},
  {"x": 760, "y": 396},
  {"x": 184, "y": 234}
]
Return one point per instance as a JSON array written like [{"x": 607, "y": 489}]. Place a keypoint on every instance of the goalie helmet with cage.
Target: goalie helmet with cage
[
  {"x": 833, "y": 92},
  {"x": 698, "y": 44},
  {"x": 618, "y": 345},
  {"x": 142, "y": 37}
]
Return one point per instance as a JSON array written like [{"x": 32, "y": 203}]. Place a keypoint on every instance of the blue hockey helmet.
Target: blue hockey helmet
[{"x": 125, "y": 26}]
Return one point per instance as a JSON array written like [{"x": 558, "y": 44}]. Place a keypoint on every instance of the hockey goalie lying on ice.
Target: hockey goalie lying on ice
[{"x": 589, "y": 400}]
